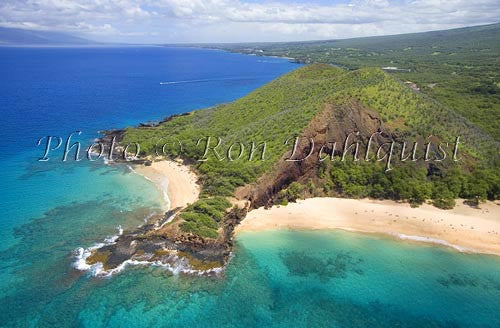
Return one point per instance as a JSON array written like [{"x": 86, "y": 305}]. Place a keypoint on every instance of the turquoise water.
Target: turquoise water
[
  {"x": 50, "y": 209},
  {"x": 313, "y": 279},
  {"x": 285, "y": 279},
  {"x": 279, "y": 279}
]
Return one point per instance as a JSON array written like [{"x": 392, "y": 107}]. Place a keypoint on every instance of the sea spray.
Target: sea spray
[
  {"x": 174, "y": 263},
  {"x": 82, "y": 254}
]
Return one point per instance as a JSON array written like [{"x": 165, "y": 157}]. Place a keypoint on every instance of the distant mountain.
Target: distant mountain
[
  {"x": 463, "y": 38},
  {"x": 16, "y": 36},
  {"x": 460, "y": 68}
]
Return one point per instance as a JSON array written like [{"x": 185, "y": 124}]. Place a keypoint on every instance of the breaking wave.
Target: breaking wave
[
  {"x": 433, "y": 241},
  {"x": 174, "y": 264},
  {"x": 83, "y": 253}
]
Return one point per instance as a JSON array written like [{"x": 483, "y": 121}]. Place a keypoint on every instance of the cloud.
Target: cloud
[{"x": 237, "y": 20}]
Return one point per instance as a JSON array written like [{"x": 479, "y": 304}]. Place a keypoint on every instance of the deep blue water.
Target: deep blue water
[
  {"x": 49, "y": 91},
  {"x": 276, "y": 279},
  {"x": 56, "y": 91}
]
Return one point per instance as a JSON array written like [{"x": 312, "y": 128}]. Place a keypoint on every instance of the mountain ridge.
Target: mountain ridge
[
  {"x": 17, "y": 36},
  {"x": 458, "y": 67}
]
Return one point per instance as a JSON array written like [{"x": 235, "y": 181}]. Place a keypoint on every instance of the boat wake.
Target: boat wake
[{"x": 209, "y": 80}]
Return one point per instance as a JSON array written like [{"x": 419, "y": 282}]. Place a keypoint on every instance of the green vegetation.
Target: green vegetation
[
  {"x": 202, "y": 217},
  {"x": 459, "y": 67},
  {"x": 283, "y": 108},
  {"x": 294, "y": 191},
  {"x": 271, "y": 114},
  {"x": 413, "y": 183},
  {"x": 410, "y": 182}
]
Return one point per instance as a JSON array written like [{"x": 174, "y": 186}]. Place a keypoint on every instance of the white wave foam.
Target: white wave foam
[
  {"x": 421, "y": 239},
  {"x": 149, "y": 216},
  {"x": 186, "y": 81},
  {"x": 180, "y": 265},
  {"x": 81, "y": 254},
  {"x": 433, "y": 241},
  {"x": 177, "y": 266},
  {"x": 112, "y": 239},
  {"x": 81, "y": 257}
]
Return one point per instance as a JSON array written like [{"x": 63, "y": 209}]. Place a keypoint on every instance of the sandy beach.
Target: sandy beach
[
  {"x": 463, "y": 228},
  {"x": 174, "y": 179}
]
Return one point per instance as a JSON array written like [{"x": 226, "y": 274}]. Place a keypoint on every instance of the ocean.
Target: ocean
[{"x": 274, "y": 279}]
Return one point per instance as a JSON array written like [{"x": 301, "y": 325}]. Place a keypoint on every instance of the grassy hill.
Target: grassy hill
[
  {"x": 460, "y": 67},
  {"x": 323, "y": 102}
]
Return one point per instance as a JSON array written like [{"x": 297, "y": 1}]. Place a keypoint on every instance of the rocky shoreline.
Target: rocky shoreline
[
  {"x": 145, "y": 244},
  {"x": 161, "y": 242}
]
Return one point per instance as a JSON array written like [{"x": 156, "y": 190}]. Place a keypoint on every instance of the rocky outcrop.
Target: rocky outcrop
[
  {"x": 333, "y": 124},
  {"x": 151, "y": 244},
  {"x": 158, "y": 241}
]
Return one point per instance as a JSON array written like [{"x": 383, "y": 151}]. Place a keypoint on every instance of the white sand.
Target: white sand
[
  {"x": 177, "y": 180},
  {"x": 463, "y": 228}
]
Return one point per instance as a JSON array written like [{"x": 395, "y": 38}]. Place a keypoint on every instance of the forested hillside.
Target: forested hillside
[
  {"x": 328, "y": 102},
  {"x": 460, "y": 68}
]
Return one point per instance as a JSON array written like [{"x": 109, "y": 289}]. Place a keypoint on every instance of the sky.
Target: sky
[{"x": 184, "y": 21}]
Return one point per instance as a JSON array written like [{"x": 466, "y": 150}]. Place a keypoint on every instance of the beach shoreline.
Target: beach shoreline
[
  {"x": 177, "y": 182},
  {"x": 462, "y": 228}
]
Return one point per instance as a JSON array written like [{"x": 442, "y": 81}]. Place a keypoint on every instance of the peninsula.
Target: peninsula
[{"x": 327, "y": 104}]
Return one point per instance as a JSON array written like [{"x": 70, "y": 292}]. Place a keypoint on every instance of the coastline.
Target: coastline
[
  {"x": 463, "y": 228},
  {"x": 178, "y": 183},
  {"x": 175, "y": 180}
]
